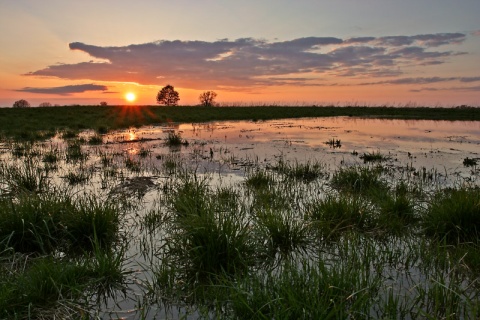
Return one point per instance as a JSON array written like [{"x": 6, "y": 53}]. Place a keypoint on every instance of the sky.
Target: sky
[{"x": 303, "y": 52}]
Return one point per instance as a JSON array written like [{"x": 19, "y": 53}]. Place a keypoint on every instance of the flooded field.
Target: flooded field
[
  {"x": 307, "y": 218},
  {"x": 229, "y": 146}
]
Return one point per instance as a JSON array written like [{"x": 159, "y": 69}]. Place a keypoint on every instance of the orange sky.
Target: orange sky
[{"x": 307, "y": 52}]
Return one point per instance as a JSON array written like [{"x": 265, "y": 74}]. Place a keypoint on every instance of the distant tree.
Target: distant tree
[
  {"x": 45, "y": 104},
  {"x": 168, "y": 96},
  {"x": 103, "y": 103},
  {"x": 21, "y": 104},
  {"x": 207, "y": 98}
]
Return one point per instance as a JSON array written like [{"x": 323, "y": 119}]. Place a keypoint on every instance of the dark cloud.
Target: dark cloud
[
  {"x": 65, "y": 90},
  {"x": 250, "y": 62}
]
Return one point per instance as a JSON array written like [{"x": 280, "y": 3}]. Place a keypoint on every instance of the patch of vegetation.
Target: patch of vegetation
[
  {"x": 359, "y": 179},
  {"x": 306, "y": 172},
  {"x": 95, "y": 140},
  {"x": 469, "y": 162},
  {"x": 454, "y": 215},
  {"x": 334, "y": 143},
  {"x": 373, "y": 157},
  {"x": 175, "y": 140}
]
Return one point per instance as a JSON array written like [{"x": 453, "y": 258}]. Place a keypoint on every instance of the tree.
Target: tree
[
  {"x": 207, "y": 98},
  {"x": 104, "y": 103},
  {"x": 21, "y": 104},
  {"x": 168, "y": 96},
  {"x": 45, "y": 104}
]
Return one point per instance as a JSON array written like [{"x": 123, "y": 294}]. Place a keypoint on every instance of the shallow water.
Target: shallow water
[
  {"x": 228, "y": 146},
  {"x": 227, "y": 149}
]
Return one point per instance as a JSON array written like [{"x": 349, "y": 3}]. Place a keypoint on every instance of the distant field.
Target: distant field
[{"x": 29, "y": 122}]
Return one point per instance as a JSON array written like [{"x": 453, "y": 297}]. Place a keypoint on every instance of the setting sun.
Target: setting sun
[{"x": 130, "y": 97}]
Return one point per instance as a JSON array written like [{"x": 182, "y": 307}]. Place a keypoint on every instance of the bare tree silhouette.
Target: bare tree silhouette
[
  {"x": 21, "y": 104},
  {"x": 207, "y": 98}
]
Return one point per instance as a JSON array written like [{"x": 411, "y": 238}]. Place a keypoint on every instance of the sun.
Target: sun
[{"x": 130, "y": 97}]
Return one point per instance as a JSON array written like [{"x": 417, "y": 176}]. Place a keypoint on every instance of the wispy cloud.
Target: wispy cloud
[
  {"x": 465, "y": 89},
  {"x": 249, "y": 62},
  {"x": 422, "y": 80},
  {"x": 65, "y": 90}
]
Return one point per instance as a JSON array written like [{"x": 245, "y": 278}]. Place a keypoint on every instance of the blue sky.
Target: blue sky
[{"x": 67, "y": 52}]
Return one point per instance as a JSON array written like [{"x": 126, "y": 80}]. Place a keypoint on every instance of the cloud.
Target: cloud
[
  {"x": 252, "y": 63},
  {"x": 422, "y": 80},
  {"x": 65, "y": 90},
  {"x": 427, "y": 40},
  {"x": 464, "y": 89}
]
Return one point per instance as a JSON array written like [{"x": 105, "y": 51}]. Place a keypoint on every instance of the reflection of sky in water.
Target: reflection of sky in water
[{"x": 422, "y": 143}]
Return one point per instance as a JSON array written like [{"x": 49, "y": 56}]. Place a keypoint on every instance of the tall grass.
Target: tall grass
[
  {"x": 43, "y": 224},
  {"x": 360, "y": 180},
  {"x": 305, "y": 291},
  {"x": 27, "y": 176},
  {"x": 338, "y": 213},
  {"x": 454, "y": 215}
]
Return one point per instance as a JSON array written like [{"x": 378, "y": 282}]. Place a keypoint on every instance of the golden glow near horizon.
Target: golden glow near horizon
[{"x": 130, "y": 97}]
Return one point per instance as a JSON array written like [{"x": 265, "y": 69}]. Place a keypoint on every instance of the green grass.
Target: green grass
[
  {"x": 305, "y": 172},
  {"x": 454, "y": 215},
  {"x": 340, "y": 213},
  {"x": 51, "y": 288},
  {"x": 360, "y": 180},
  {"x": 282, "y": 232},
  {"x": 303, "y": 291},
  {"x": 43, "y": 224}
]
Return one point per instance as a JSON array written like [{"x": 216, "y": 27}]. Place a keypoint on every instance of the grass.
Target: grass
[
  {"x": 306, "y": 172},
  {"x": 205, "y": 242},
  {"x": 336, "y": 214},
  {"x": 334, "y": 143},
  {"x": 302, "y": 292},
  {"x": 373, "y": 157},
  {"x": 51, "y": 284},
  {"x": 259, "y": 179},
  {"x": 175, "y": 140},
  {"x": 283, "y": 232},
  {"x": 469, "y": 162},
  {"x": 95, "y": 140},
  {"x": 26, "y": 176},
  {"x": 454, "y": 215},
  {"x": 358, "y": 179},
  {"x": 43, "y": 224}
]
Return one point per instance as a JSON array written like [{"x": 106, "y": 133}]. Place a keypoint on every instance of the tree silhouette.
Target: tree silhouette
[
  {"x": 103, "y": 103},
  {"x": 21, "y": 104},
  {"x": 45, "y": 104},
  {"x": 168, "y": 96},
  {"x": 207, "y": 98}
]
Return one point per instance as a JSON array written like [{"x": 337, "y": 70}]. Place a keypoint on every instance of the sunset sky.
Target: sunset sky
[{"x": 424, "y": 52}]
